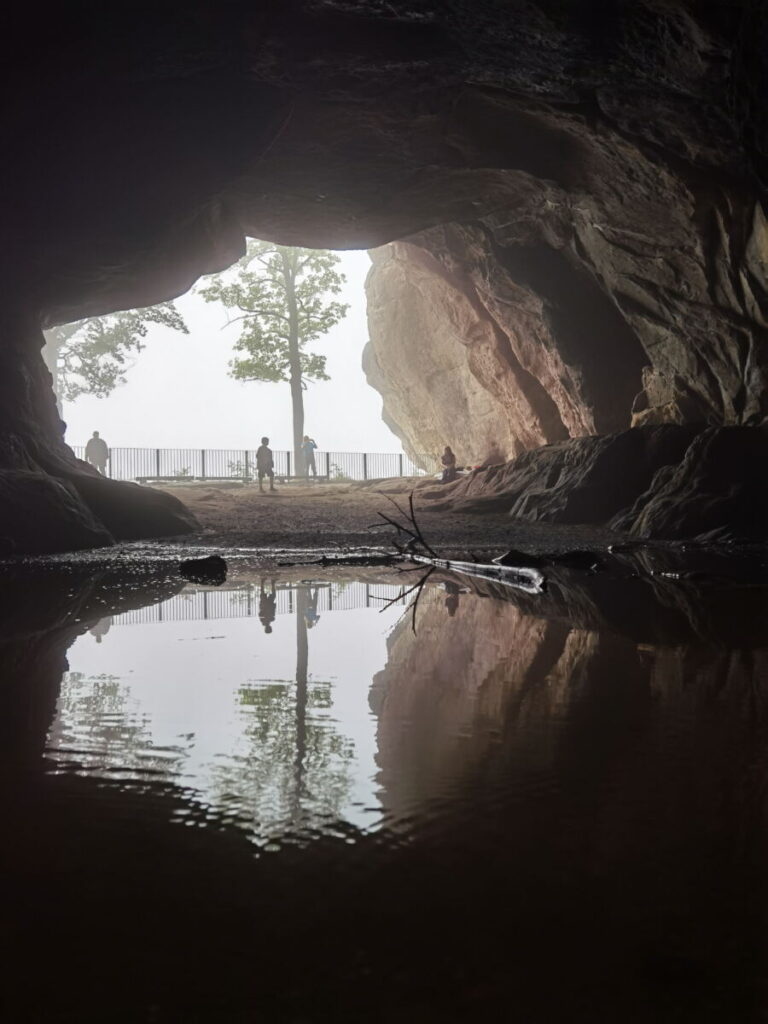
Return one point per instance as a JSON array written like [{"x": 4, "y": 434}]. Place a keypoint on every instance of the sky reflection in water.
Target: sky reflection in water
[{"x": 255, "y": 699}]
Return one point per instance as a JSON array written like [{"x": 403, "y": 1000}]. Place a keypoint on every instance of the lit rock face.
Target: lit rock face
[
  {"x": 599, "y": 311},
  {"x": 441, "y": 363},
  {"x": 599, "y": 171}
]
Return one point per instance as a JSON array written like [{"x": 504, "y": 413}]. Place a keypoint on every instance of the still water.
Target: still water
[{"x": 352, "y": 797}]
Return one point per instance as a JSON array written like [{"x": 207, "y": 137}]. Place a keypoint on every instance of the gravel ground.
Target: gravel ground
[{"x": 339, "y": 516}]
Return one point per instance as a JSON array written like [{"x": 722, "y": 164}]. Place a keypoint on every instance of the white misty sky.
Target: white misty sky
[{"x": 179, "y": 393}]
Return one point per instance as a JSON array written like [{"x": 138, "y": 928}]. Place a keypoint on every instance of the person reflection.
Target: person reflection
[
  {"x": 310, "y": 611},
  {"x": 267, "y": 605},
  {"x": 452, "y": 600},
  {"x": 101, "y": 628}
]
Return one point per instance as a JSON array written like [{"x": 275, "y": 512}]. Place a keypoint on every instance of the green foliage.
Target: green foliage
[
  {"x": 279, "y": 295},
  {"x": 91, "y": 356},
  {"x": 338, "y": 474}
]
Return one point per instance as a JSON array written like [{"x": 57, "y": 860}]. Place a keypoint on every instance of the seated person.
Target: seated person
[{"x": 449, "y": 465}]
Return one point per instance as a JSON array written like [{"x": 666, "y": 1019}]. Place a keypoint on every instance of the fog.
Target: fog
[{"x": 179, "y": 394}]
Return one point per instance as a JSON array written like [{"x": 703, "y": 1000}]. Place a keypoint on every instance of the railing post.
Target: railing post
[
  {"x": 246, "y": 468},
  {"x": 202, "y": 463},
  {"x": 400, "y": 463},
  {"x": 289, "y": 463},
  {"x": 157, "y": 463},
  {"x": 365, "y": 466}
]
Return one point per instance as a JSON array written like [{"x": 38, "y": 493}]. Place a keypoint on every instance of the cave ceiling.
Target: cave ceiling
[{"x": 144, "y": 141}]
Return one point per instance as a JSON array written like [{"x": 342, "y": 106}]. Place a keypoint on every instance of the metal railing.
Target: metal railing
[{"x": 145, "y": 464}]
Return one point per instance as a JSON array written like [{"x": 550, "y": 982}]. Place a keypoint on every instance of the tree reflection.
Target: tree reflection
[
  {"x": 296, "y": 767},
  {"x": 282, "y": 764},
  {"x": 98, "y": 726}
]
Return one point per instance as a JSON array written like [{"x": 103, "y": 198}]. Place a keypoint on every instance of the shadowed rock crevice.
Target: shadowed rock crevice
[{"x": 603, "y": 355}]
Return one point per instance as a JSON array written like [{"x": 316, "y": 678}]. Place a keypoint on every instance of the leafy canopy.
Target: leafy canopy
[
  {"x": 92, "y": 355},
  {"x": 280, "y": 296}
]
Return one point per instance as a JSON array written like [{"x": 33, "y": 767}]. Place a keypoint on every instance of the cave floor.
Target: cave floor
[{"x": 332, "y": 516}]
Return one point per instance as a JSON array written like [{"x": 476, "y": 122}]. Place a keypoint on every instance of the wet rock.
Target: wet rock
[{"x": 211, "y": 570}]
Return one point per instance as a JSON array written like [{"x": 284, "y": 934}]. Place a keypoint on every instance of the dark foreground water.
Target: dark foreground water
[{"x": 274, "y": 801}]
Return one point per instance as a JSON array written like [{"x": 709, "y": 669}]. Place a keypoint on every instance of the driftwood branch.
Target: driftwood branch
[
  {"x": 418, "y": 586},
  {"x": 410, "y": 527}
]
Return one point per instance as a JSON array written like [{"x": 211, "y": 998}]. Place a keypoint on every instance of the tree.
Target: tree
[
  {"x": 91, "y": 356},
  {"x": 280, "y": 296}
]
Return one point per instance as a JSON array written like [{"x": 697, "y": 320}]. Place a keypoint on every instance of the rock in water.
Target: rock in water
[{"x": 211, "y": 570}]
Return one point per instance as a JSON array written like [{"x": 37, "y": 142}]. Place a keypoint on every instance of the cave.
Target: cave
[
  {"x": 230, "y": 792},
  {"x": 566, "y": 205}
]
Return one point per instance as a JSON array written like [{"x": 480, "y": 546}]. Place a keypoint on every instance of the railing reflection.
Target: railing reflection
[{"x": 255, "y": 600}]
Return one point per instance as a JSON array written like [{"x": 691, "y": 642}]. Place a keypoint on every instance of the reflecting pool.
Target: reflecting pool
[
  {"x": 252, "y": 699},
  {"x": 357, "y": 794}
]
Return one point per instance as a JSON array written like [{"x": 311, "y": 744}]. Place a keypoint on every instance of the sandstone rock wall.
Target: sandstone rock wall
[{"x": 601, "y": 314}]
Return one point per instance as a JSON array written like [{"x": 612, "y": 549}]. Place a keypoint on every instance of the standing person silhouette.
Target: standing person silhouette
[
  {"x": 97, "y": 453},
  {"x": 310, "y": 612},
  {"x": 265, "y": 464},
  {"x": 308, "y": 447},
  {"x": 267, "y": 606},
  {"x": 452, "y": 600}
]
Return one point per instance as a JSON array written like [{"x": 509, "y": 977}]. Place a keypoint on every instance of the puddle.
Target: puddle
[
  {"x": 326, "y": 796},
  {"x": 253, "y": 699}
]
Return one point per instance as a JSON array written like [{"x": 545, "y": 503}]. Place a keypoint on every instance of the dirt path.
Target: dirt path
[{"x": 340, "y": 515}]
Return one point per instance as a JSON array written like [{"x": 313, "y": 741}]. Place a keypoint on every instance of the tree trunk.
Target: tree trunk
[
  {"x": 294, "y": 360},
  {"x": 297, "y": 400},
  {"x": 302, "y": 661}
]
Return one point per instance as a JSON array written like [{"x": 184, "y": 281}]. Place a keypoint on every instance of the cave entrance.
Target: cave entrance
[{"x": 186, "y": 389}]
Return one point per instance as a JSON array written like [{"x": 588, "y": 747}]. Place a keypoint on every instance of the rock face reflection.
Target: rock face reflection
[
  {"x": 491, "y": 691},
  {"x": 559, "y": 796}
]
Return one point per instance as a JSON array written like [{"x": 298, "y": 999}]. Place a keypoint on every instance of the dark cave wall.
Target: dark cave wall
[{"x": 599, "y": 171}]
